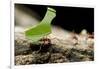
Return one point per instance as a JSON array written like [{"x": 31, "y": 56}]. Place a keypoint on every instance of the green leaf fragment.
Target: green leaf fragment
[{"x": 43, "y": 28}]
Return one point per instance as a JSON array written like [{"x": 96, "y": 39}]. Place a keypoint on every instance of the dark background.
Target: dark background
[{"x": 69, "y": 18}]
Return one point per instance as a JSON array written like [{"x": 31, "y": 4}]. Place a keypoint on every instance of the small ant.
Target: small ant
[
  {"x": 45, "y": 44},
  {"x": 45, "y": 41}
]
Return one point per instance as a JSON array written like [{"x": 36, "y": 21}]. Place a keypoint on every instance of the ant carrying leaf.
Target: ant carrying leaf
[{"x": 37, "y": 32}]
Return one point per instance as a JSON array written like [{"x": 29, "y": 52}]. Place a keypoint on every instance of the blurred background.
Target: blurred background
[{"x": 67, "y": 18}]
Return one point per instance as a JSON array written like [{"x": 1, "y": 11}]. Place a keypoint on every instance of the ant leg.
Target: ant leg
[
  {"x": 41, "y": 45},
  {"x": 40, "y": 48}
]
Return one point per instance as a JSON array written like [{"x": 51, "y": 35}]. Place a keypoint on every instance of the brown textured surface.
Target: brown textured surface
[{"x": 59, "y": 51}]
